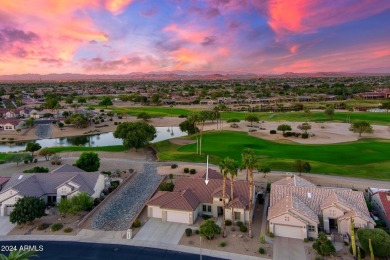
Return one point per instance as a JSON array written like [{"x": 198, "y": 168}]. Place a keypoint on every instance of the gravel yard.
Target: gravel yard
[{"x": 121, "y": 210}]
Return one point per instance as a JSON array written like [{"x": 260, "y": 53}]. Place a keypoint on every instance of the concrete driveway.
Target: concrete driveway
[
  {"x": 5, "y": 226},
  {"x": 288, "y": 248},
  {"x": 154, "y": 230}
]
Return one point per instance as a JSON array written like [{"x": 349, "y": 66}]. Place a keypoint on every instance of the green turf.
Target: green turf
[
  {"x": 367, "y": 158},
  {"x": 114, "y": 148}
]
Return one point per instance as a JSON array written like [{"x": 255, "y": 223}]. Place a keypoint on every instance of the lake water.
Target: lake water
[{"x": 104, "y": 139}]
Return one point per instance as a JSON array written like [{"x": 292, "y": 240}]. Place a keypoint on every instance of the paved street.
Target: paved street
[
  {"x": 165, "y": 232},
  {"x": 288, "y": 248},
  {"x": 5, "y": 226}
]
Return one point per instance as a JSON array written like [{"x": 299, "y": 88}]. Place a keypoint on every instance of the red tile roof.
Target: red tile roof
[
  {"x": 213, "y": 174},
  {"x": 385, "y": 202},
  {"x": 4, "y": 180}
]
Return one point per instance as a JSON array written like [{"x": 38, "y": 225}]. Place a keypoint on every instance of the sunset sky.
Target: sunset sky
[{"x": 258, "y": 36}]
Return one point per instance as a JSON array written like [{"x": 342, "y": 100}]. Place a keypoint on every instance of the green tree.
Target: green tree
[
  {"x": 251, "y": 119},
  {"x": 329, "y": 111},
  {"x": 78, "y": 120},
  {"x": 29, "y": 122},
  {"x": 361, "y": 127},
  {"x": 284, "y": 128},
  {"x": 17, "y": 158},
  {"x": 88, "y": 161},
  {"x": 69, "y": 100},
  {"x": 189, "y": 127},
  {"x": 155, "y": 99},
  {"x": 232, "y": 168},
  {"x": 19, "y": 255},
  {"x": 81, "y": 100},
  {"x": 32, "y": 147},
  {"x": 224, "y": 172},
  {"x": 304, "y": 127},
  {"x": 106, "y": 102},
  {"x": 353, "y": 239},
  {"x": 323, "y": 246},
  {"x": 144, "y": 116},
  {"x": 380, "y": 241},
  {"x": 209, "y": 229},
  {"x": 249, "y": 161},
  {"x": 78, "y": 203},
  {"x": 27, "y": 209},
  {"x": 264, "y": 169},
  {"x": 301, "y": 166},
  {"x": 46, "y": 152},
  {"x": 386, "y": 105},
  {"x": 135, "y": 134},
  {"x": 51, "y": 103}
]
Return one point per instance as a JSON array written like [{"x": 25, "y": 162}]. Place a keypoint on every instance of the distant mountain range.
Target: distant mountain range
[{"x": 184, "y": 75}]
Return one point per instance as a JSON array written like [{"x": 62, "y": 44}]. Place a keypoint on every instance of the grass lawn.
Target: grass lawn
[
  {"x": 367, "y": 158},
  {"x": 3, "y": 156},
  {"x": 114, "y": 148}
]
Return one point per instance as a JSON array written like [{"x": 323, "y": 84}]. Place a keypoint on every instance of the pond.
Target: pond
[{"x": 105, "y": 139}]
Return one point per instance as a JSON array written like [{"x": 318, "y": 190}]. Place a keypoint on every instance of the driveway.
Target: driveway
[
  {"x": 5, "y": 226},
  {"x": 157, "y": 231},
  {"x": 288, "y": 248}
]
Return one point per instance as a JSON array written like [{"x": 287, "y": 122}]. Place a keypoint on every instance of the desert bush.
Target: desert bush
[
  {"x": 173, "y": 166},
  {"x": 43, "y": 226},
  {"x": 305, "y": 136},
  {"x": 243, "y": 228},
  {"x": 186, "y": 170},
  {"x": 271, "y": 234},
  {"x": 56, "y": 227},
  {"x": 137, "y": 223},
  {"x": 272, "y": 132},
  {"x": 261, "y": 250},
  {"x": 228, "y": 222},
  {"x": 222, "y": 244},
  {"x": 239, "y": 223},
  {"x": 166, "y": 186},
  {"x": 192, "y": 171},
  {"x": 67, "y": 230},
  {"x": 188, "y": 232}
]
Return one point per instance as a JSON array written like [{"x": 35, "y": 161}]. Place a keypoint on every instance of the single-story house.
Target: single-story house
[
  {"x": 380, "y": 200},
  {"x": 299, "y": 209},
  {"x": 3, "y": 181},
  {"x": 64, "y": 182},
  {"x": 191, "y": 198},
  {"x": 9, "y": 124}
]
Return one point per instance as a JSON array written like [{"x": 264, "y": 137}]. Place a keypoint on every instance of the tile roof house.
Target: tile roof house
[
  {"x": 298, "y": 209},
  {"x": 66, "y": 181},
  {"x": 10, "y": 124},
  {"x": 191, "y": 198},
  {"x": 380, "y": 200}
]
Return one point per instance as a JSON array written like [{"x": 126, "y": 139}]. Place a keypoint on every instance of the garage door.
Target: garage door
[
  {"x": 177, "y": 216},
  {"x": 156, "y": 213},
  {"x": 289, "y": 231},
  {"x": 8, "y": 210}
]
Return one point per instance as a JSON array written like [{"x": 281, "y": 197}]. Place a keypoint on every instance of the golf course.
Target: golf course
[{"x": 366, "y": 158}]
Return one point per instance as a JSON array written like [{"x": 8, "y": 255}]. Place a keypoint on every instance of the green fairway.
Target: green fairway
[
  {"x": 373, "y": 118},
  {"x": 369, "y": 158},
  {"x": 114, "y": 148}
]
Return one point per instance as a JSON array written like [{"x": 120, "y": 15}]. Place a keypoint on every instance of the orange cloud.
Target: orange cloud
[
  {"x": 188, "y": 34},
  {"x": 117, "y": 6}
]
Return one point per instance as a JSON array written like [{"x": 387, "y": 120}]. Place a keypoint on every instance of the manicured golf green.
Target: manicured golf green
[{"x": 367, "y": 158}]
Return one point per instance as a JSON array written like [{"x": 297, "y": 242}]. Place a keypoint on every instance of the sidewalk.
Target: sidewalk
[{"x": 179, "y": 248}]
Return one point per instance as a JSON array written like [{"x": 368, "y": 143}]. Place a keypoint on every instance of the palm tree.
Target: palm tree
[
  {"x": 19, "y": 255},
  {"x": 223, "y": 166},
  {"x": 194, "y": 119},
  {"x": 250, "y": 162},
  {"x": 233, "y": 170}
]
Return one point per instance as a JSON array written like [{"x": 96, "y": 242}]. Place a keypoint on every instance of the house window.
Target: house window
[
  {"x": 312, "y": 228},
  {"x": 286, "y": 218},
  {"x": 209, "y": 208},
  {"x": 206, "y": 208}
]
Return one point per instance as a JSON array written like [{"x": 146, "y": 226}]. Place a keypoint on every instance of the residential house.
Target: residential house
[
  {"x": 63, "y": 182},
  {"x": 299, "y": 209},
  {"x": 380, "y": 200},
  {"x": 3, "y": 181},
  {"x": 191, "y": 198},
  {"x": 9, "y": 124}
]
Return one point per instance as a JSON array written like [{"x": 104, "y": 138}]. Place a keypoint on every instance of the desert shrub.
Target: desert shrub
[
  {"x": 186, "y": 170},
  {"x": 43, "y": 226},
  {"x": 206, "y": 217},
  {"x": 222, "y": 244},
  {"x": 262, "y": 238},
  {"x": 115, "y": 123},
  {"x": 35, "y": 160},
  {"x": 67, "y": 230},
  {"x": 56, "y": 227},
  {"x": 37, "y": 169},
  {"x": 197, "y": 231},
  {"x": 271, "y": 234},
  {"x": 137, "y": 223},
  {"x": 228, "y": 222},
  {"x": 192, "y": 171},
  {"x": 173, "y": 166},
  {"x": 261, "y": 250},
  {"x": 323, "y": 245},
  {"x": 239, "y": 223},
  {"x": 305, "y": 135},
  {"x": 170, "y": 176},
  {"x": 288, "y": 134},
  {"x": 97, "y": 201},
  {"x": 305, "y": 240},
  {"x": 272, "y": 132},
  {"x": 166, "y": 186},
  {"x": 25, "y": 161},
  {"x": 311, "y": 238},
  {"x": 188, "y": 232},
  {"x": 297, "y": 134},
  {"x": 243, "y": 228}
]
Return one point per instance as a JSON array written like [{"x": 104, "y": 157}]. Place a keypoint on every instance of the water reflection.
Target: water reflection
[{"x": 105, "y": 139}]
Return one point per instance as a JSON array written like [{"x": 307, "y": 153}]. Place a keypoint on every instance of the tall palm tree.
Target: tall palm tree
[
  {"x": 194, "y": 119},
  {"x": 223, "y": 166},
  {"x": 233, "y": 171},
  {"x": 250, "y": 163}
]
